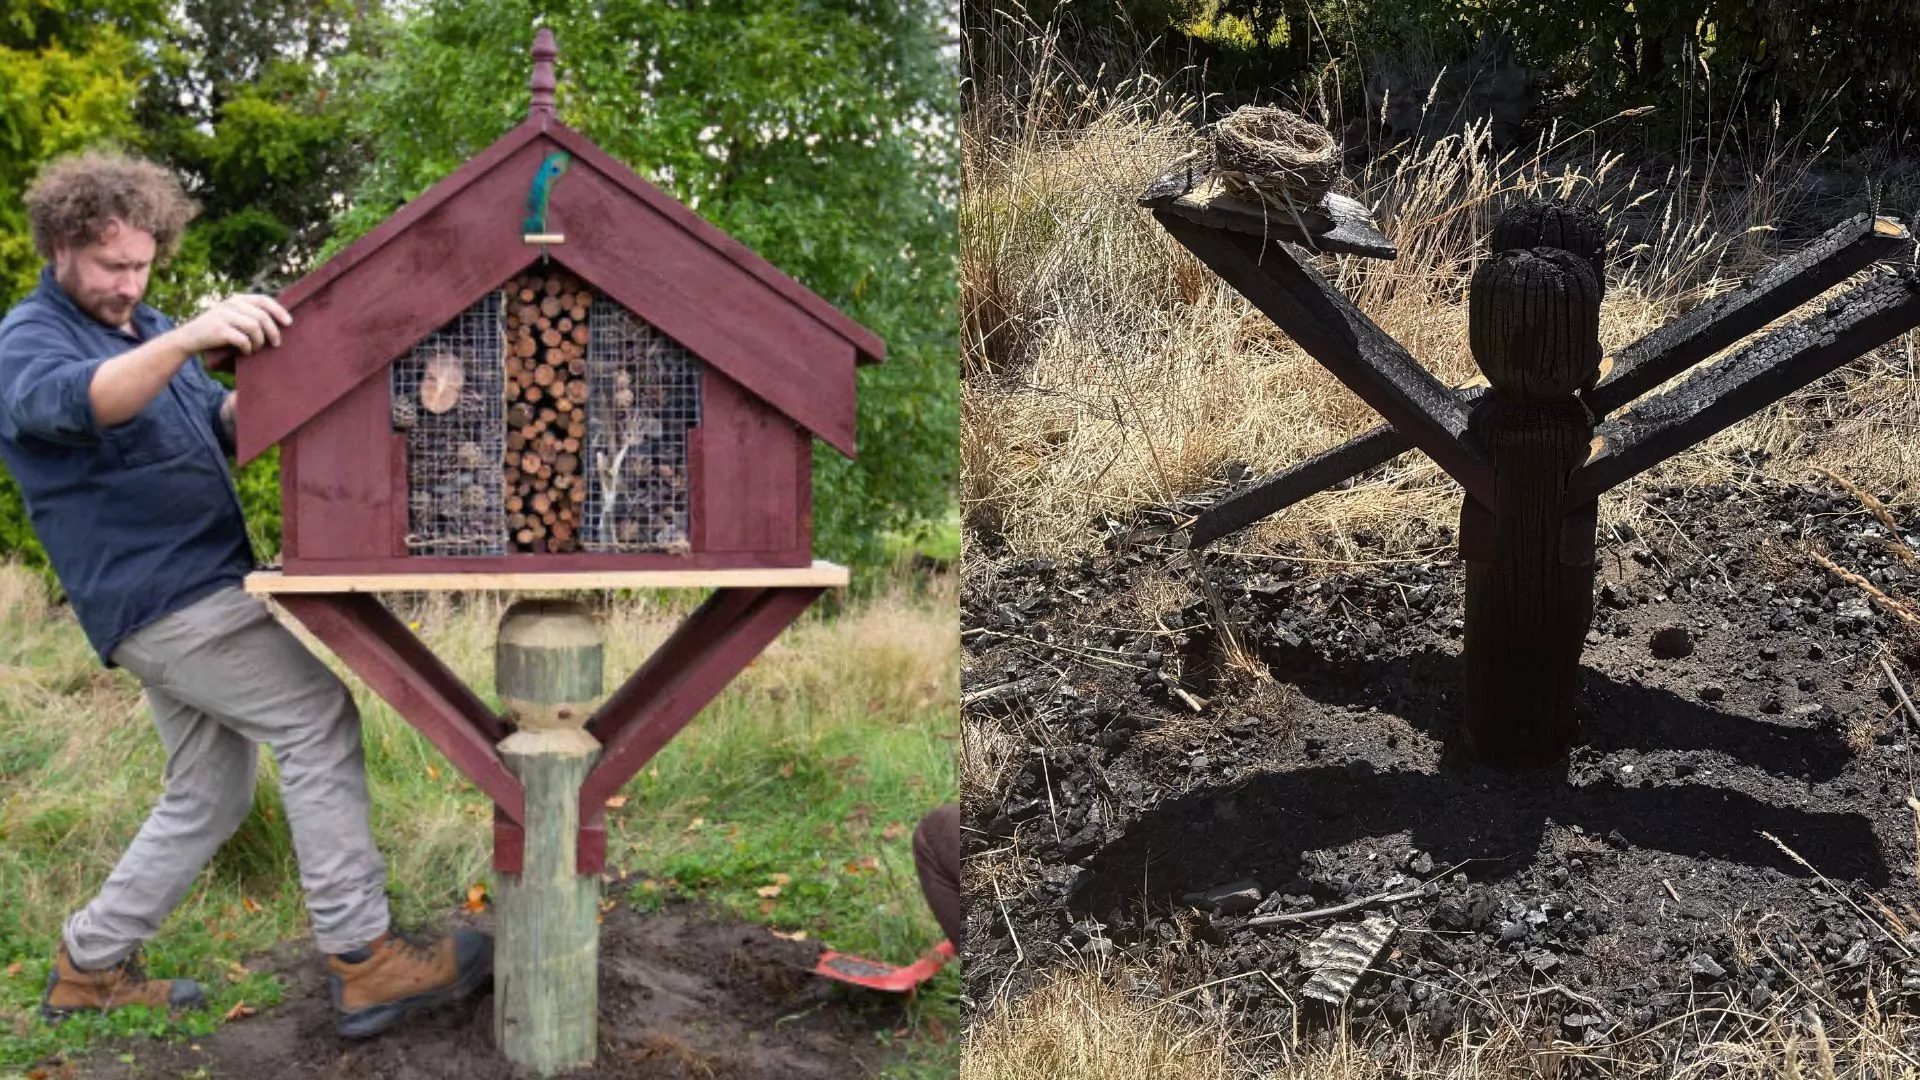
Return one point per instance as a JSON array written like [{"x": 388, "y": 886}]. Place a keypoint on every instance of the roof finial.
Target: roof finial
[{"x": 544, "y": 52}]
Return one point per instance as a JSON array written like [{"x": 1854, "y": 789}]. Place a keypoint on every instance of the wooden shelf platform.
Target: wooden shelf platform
[{"x": 820, "y": 575}]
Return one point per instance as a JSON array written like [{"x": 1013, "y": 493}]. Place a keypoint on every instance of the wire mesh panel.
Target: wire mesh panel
[
  {"x": 645, "y": 394},
  {"x": 447, "y": 397}
]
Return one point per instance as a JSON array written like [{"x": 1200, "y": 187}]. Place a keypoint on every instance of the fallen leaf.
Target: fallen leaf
[
  {"x": 13, "y": 969},
  {"x": 615, "y": 802},
  {"x": 767, "y": 892},
  {"x": 797, "y": 935},
  {"x": 893, "y": 831},
  {"x": 476, "y": 897},
  {"x": 786, "y": 770},
  {"x": 780, "y": 879},
  {"x": 240, "y": 1010},
  {"x": 694, "y": 825},
  {"x": 440, "y": 384},
  {"x": 433, "y": 773},
  {"x": 608, "y": 905},
  {"x": 766, "y": 907},
  {"x": 237, "y": 972},
  {"x": 252, "y": 907},
  {"x": 649, "y": 885}
]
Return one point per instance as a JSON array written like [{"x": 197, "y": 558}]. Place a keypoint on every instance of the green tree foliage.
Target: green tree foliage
[
  {"x": 1850, "y": 64},
  {"x": 69, "y": 76},
  {"x": 820, "y": 135}
]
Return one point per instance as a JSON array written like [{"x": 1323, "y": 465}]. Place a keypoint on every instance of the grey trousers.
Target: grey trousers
[{"x": 221, "y": 676}]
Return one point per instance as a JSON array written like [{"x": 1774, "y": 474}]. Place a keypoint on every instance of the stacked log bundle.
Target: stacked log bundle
[{"x": 547, "y": 313}]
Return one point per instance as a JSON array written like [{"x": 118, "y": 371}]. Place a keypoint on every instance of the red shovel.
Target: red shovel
[{"x": 875, "y": 975}]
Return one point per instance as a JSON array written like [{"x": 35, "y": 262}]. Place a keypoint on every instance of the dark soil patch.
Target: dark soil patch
[
  {"x": 683, "y": 994},
  {"x": 1630, "y": 885}
]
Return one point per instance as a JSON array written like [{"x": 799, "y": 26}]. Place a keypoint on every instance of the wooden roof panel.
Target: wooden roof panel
[{"x": 438, "y": 254}]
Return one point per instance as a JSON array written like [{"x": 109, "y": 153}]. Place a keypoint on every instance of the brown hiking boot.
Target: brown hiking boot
[
  {"x": 71, "y": 990},
  {"x": 376, "y": 986}
]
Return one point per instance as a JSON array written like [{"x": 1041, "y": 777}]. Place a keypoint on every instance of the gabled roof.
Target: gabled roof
[{"x": 462, "y": 238}]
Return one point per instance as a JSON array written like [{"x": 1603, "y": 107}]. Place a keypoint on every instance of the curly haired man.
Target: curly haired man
[{"x": 119, "y": 442}]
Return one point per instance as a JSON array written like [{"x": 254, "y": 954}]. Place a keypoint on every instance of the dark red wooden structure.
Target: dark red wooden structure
[
  {"x": 776, "y": 367},
  {"x": 777, "y": 361}
]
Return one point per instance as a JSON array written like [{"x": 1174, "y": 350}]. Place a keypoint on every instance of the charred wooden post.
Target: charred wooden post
[
  {"x": 547, "y": 669},
  {"x": 1534, "y": 327}
]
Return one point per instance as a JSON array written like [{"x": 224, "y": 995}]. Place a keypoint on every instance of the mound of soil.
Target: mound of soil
[
  {"x": 1162, "y": 795},
  {"x": 683, "y": 994}
]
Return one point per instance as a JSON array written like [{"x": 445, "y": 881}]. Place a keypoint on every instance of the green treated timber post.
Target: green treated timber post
[{"x": 547, "y": 947}]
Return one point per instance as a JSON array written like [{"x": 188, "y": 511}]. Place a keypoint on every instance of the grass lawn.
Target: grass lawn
[{"x": 815, "y": 765}]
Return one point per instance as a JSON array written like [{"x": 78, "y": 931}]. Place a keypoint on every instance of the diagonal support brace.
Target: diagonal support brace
[
  {"x": 1347, "y": 343},
  {"x": 406, "y": 675},
  {"x": 1841, "y": 252},
  {"x": 684, "y": 674},
  {"x": 1632, "y": 371},
  {"x": 1717, "y": 397}
]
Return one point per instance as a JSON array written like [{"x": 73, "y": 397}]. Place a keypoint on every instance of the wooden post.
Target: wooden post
[
  {"x": 548, "y": 664},
  {"x": 1534, "y": 329},
  {"x": 547, "y": 950}
]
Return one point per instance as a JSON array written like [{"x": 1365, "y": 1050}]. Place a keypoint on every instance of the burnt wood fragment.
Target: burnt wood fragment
[
  {"x": 1337, "y": 334},
  {"x": 1717, "y": 397},
  {"x": 1333, "y": 223},
  {"x": 1843, "y": 251},
  {"x": 1534, "y": 327}
]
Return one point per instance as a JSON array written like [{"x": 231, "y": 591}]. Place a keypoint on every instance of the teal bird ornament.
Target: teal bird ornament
[{"x": 554, "y": 167}]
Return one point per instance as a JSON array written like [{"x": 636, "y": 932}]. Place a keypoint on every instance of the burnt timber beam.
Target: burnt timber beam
[
  {"x": 1843, "y": 251},
  {"x": 1719, "y": 396},
  {"x": 1630, "y": 372},
  {"x": 1337, "y": 334},
  {"x": 1375, "y": 447}
]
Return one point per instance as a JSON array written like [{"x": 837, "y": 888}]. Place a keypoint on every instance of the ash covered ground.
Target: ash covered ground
[{"x": 1151, "y": 794}]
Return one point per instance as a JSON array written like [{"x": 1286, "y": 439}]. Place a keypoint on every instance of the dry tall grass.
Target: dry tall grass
[
  {"x": 1082, "y": 1026},
  {"x": 1107, "y": 369}
]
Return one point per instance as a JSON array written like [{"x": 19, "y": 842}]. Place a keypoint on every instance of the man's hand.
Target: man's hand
[
  {"x": 242, "y": 321},
  {"x": 124, "y": 385}
]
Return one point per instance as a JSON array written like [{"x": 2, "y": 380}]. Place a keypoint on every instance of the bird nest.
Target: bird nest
[{"x": 1273, "y": 156}]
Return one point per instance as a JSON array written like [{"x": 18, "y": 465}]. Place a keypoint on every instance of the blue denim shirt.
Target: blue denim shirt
[{"x": 140, "y": 519}]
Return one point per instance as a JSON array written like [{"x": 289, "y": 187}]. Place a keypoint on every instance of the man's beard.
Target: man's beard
[{"x": 107, "y": 308}]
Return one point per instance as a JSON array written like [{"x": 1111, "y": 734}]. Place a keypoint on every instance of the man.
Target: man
[{"x": 119, "y": 442}]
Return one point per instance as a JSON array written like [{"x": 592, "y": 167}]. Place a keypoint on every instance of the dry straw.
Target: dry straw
[{"x": 1269, "y": 155}]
